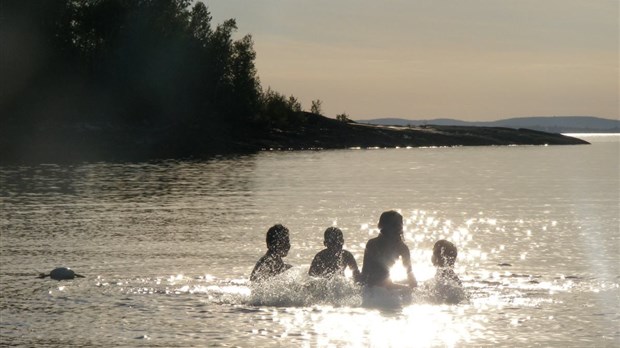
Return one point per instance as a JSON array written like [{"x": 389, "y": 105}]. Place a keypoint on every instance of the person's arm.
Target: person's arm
[
  {"x": 350, "y": 262},
  {"x": 366, "y": 268},
  {"x": 315, "y": 270},
  {"x": 281, "y": 267},
  {"x": 256, "y": 272},
  {"x": 458, "y": 280},
  {"x": 406, "y": 257}
]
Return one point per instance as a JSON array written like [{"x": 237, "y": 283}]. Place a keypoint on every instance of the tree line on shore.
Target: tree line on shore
[{"x": 146, "y": 67}]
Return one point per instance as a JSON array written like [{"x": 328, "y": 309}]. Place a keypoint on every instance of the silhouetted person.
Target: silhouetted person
[
  {"x": 271, "y": 264},
  {"x": 447, "y": 285},
  {"x": 333, "y": 260},
  {"x": 383, "y": 251},
  {"x": 444, "y": 257}
]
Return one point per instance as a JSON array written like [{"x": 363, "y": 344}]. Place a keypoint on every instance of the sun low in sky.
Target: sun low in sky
[{"x": 476, "y": 60}]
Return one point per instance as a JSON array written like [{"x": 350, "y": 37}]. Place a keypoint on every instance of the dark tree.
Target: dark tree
[{"x": 149, "y": 74}]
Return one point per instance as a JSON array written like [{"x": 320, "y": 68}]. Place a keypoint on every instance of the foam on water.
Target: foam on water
[
  {"x": 296, "y": 289},
  {"x": 290, "y": 289},
  {"x": 294, "y": 306}
]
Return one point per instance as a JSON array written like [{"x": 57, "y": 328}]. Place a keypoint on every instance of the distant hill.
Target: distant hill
[{"x": 555, "y": 124}]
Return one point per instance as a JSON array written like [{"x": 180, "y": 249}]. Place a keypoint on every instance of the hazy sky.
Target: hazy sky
[{"x": 423, "y": 59}]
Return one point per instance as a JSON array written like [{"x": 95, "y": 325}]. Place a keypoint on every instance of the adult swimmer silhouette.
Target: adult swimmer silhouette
[{"x": 383, "y": 251}]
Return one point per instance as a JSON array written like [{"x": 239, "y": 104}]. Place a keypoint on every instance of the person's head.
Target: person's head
[
  {"x": 391, "y": 224},
  {"x": 333, "y": 238},
  {"x": 444, "y": 254},
  {"x": 277, "y": 240}
]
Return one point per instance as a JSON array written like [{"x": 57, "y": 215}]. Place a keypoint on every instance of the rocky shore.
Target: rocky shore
[
  {"x": 319, "y": 132},
  {"x": 312, "y": 132}
]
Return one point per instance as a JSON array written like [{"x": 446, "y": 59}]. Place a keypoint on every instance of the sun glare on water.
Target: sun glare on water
[
  {"x": 398, "y": 272},
  {"x": 417, "y": 325},
  {"x": 422, "y": 272}
]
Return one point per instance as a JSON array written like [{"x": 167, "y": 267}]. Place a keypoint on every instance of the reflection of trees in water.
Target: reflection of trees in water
[
  {"x": 134, "y": 202},
  {"x": 131, "y": 182},
  {"x": 37, "y": 182}
]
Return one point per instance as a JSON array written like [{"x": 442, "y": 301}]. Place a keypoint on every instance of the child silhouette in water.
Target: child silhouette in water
[
  {"x": 448, "y": 286},
  {"x": 383, "y": 251},
  {"x": 444, "y": 256},
  {"x": 271, "y": 264},
  {"x": 333, "y": 260}
]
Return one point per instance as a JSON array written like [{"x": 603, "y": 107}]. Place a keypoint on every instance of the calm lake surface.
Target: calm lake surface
[{"x": 167, "y": 248}]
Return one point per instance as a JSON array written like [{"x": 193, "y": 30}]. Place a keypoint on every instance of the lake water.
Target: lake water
[{"x": 167, "y": 248}]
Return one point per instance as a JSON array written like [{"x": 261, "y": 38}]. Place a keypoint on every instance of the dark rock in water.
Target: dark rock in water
[
  {"x": 490, "y": 282},
  {"x": 61, "y": 273},
  {"x": 504, "y": 264},
  {"x": 515, "y": 275}
]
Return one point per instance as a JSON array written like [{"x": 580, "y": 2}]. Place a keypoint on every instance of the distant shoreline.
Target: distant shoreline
[
  {"x": 550, "y": 124},
  {"x": 591, "y": 134},
  {"x": 595, "y": 137},
  {"x": 316, "y": 132},
  {"x": 320, "y": 132}
]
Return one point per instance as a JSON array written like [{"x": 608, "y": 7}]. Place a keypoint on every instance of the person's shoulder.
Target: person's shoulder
[
  {"x": 372, "y": 241},
  {"x": 451, "y": 274},
  {"x": 263, "y": 258},
  {"x": 260, "y": 268},
  {"x": 346, "y": 253},
  {"x": 320, "y": 254},
  {"x": 267, "y": 259},
  {"x": 323, "y": 252},
  {"x": 348, "y": 256}
]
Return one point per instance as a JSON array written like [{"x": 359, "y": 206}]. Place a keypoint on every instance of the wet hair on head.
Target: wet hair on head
[
  {"x": 275, "y": 234},
  {"x": 444, "y": 253},
  {"x": 333, "y": 235},
  {"x": 390, "y": 223}
]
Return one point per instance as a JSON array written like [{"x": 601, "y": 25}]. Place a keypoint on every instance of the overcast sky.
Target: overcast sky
[{"x": 422, "y": 59}]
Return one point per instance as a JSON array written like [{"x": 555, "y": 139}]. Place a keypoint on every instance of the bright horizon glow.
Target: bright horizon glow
[{"x": 479, "y": 60}]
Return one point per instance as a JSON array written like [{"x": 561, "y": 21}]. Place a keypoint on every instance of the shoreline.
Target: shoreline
[
  {"x": 324, "y": 133},
  {"x": 315, "y": 132}
]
